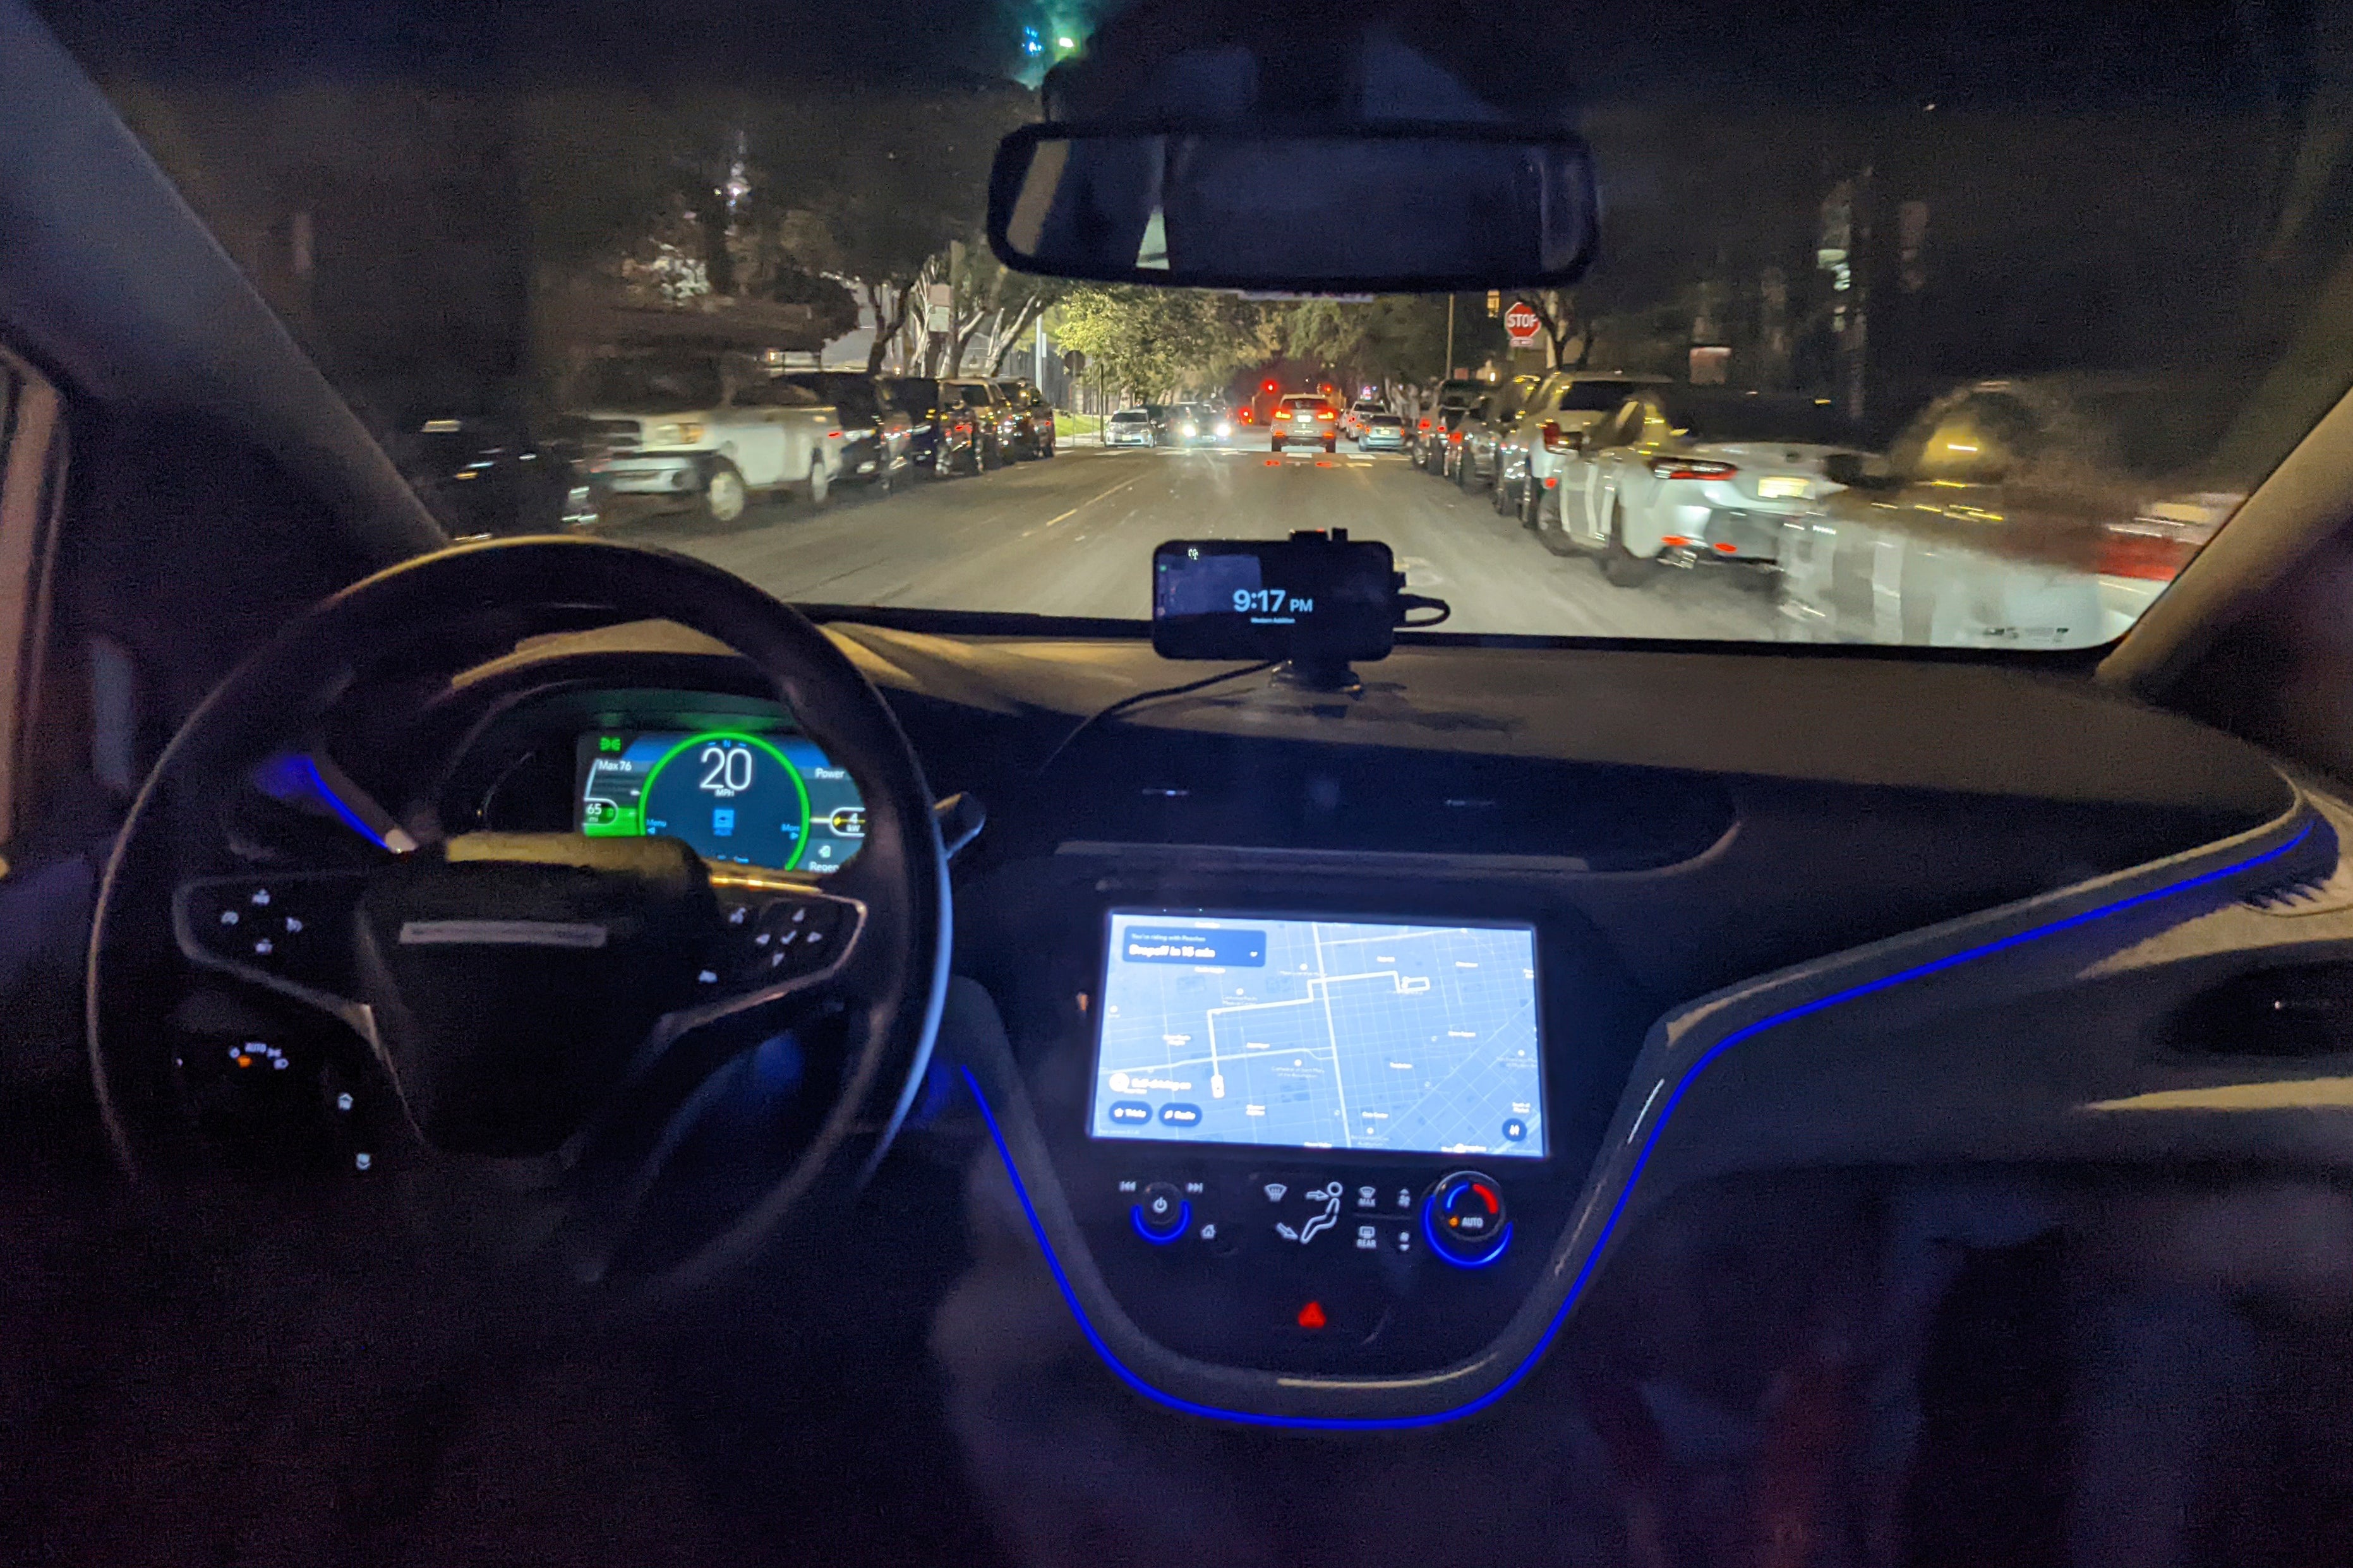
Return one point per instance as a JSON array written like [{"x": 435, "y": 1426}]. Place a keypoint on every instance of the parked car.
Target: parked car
[
  {"x": 996, "y": 423},
  {"x": 1551, "y": 427},
  {"x": 1381, "y": 433},
  {"x": 1033, "y": 419},
  {"x": 1199, "y": 424},
  {"x": 1131, "y": 428},
  {"x": 1676, "y": 477},
  {"x": 941, "y": 430},
  {"x": 1437, "y": 420},
  {"x": 710, "y": 431},
  {"x": 876, "y": 432},
  {"x": 1475, "y": 445},
  {"x": 2043, "y": 511},
  {"x": 487, "y": 476},
  {"x": 1352, "y": 421},
  {"x": 1306, "y": 416}
]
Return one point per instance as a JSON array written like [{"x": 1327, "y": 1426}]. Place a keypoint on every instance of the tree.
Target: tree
[
  {"x": 1563, "y": 323},
  {"x": 1157, "y": 340},
  {"x": 1394, "y": 338},
  {"x": 991, "y": 295},
  {"x": 888, "y": 182}
]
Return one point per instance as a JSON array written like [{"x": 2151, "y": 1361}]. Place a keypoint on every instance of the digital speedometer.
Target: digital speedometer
[{"x": 739, "y": 794}]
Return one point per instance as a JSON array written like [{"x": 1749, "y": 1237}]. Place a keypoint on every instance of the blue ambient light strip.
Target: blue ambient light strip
[{"x": 1601, "y": 1242}]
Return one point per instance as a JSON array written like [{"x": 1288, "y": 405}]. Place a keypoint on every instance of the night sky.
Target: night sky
[{"x": 1980, "y": 55}]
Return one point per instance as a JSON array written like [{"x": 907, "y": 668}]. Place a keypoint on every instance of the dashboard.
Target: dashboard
[{"x": 1328, "y": 1043}]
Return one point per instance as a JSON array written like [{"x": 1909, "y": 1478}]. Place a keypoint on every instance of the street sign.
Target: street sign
[{"x": 1523, "y": 323}]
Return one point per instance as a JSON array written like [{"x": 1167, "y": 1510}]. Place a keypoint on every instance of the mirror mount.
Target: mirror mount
[{"x": 1288, "y": 207}]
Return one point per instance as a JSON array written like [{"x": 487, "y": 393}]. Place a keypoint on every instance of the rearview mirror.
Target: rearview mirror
[{"x": 1394, "y": 209}]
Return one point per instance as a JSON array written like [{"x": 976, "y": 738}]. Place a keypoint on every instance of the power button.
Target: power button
[
  {"x": 1465, "y": 1219},
  {"x": 1161, "y": 1212}
]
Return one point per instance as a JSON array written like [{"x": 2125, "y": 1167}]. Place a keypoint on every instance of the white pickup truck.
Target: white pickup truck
[{"x": 708, "y": 433}]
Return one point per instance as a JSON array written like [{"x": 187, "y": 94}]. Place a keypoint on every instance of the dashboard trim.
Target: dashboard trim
[{"x": 1478, "y": 1383}]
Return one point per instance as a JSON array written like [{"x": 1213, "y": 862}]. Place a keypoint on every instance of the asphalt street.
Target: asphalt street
[{"x": 1074, "y": 535}]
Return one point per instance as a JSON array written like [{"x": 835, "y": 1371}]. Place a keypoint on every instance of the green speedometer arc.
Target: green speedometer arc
[{"x": 724, "y": 789}]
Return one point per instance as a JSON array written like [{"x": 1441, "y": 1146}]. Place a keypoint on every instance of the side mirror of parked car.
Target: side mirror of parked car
[
  {"x": 1861, "y": 471},
  {"x": 1391, "y": 209}
]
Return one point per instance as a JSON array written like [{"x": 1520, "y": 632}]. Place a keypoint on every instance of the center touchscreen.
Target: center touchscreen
[{"x": 1306, "y": 1034}]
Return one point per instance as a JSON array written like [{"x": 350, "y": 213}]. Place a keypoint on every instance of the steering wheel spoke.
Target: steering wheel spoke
[
  {"x": 778, "y": 936},
  {"x": 289, "y": 933}
]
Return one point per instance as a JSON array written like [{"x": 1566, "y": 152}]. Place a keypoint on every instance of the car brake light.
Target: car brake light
[
  {"x": 1425, "y": 425},
  {"x": 1455, "y": 436},
  {"x": 833, "y": 435},
  {"x": 1550, "y": 434},
  {"x": 2145, "y": 557},
  {"x": 1692, "y": 469},
  {"x": 1323, "y": 413}
]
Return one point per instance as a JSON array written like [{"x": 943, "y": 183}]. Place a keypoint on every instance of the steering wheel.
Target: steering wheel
[{"x": 547, "y": 1012}]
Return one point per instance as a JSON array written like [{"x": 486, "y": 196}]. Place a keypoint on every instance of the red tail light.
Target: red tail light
[
  {"x": 1425, "y": 425},
  {"x": 1325, "y": 414},
  {"x": 1553, "y": 437},
  {"x": 1692, "y": 469},
  {"x": 1454, "y": 437},
  {"x": 2151, "y": 558}
]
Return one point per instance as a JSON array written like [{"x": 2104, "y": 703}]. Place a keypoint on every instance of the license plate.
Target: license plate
[{"x": 1776, "y": 485}]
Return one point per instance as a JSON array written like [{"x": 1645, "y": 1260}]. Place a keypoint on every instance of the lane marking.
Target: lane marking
[{"x": 1091, "y": 501}]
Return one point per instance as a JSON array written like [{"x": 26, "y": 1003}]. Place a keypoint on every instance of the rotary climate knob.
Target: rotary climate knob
[{"x": 1465, "y": 1219}]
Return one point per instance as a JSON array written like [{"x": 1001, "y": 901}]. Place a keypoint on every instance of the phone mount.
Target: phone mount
[{"x": 1312, "y": 605}]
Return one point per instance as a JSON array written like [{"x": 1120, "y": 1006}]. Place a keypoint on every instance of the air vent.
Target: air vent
[
  {"x": 1216, "y": 790},
  {"x": 2300, "y": 1010}
]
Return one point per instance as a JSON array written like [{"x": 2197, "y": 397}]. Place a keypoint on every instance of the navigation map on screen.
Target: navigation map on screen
[{"x": 1319, "y": 1034}]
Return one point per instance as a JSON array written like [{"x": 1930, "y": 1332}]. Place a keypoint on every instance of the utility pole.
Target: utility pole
[{"x": 1448, "y": 373}]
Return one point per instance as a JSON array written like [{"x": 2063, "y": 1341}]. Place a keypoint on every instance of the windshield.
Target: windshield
[{"x": 2023, "y": 305}]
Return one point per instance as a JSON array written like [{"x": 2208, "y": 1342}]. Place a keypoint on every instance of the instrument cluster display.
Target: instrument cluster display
[{"x": 743, "y": 795}]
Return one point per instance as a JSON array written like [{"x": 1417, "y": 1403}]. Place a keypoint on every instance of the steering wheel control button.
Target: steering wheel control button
[
  {"x": 770, "y": 941},
  {"x": 1161, "y": 1213},
  {"x": 266, "y": 928},
  {"x": 1466, "y": 1220}
]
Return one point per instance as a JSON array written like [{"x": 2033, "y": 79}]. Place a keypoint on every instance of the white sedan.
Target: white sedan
[{"x": 1649, "y": 489}]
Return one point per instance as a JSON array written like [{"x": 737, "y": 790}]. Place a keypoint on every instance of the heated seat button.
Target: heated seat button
[
  {"x": 1466, "y": 1219},
  {"x": 1161, "y": 1212}
]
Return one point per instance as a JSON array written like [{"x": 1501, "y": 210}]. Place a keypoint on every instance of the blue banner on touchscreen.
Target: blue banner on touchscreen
[
  {"x": 1319, "y": 1034},
  {"x": 1161, "y": 944}
]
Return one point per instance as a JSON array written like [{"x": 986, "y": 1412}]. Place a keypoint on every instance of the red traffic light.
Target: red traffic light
[{"x": 1270, "y": 386}]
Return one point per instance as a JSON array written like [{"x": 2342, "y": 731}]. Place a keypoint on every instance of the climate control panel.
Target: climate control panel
[{"x": 1304, "y": 1267}]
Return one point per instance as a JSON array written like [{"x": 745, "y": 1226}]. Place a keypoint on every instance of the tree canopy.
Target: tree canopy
[{"x": 1153, "y": 340}]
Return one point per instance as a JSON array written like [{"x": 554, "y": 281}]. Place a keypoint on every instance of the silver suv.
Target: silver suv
[{"x": 1551, "y": 426}]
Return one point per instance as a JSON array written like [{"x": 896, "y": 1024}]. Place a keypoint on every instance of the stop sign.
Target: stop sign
[{"x": 1522, "y": 322}]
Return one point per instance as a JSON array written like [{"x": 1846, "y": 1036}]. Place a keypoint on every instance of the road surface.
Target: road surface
[{"x": 1074, "y": 535}]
